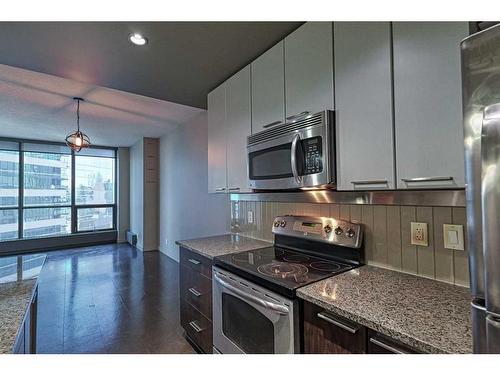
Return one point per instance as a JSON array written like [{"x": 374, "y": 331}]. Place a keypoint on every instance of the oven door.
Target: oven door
[
  {"x": 250, "y": 319},
  {"x": 294, "y": 160}
]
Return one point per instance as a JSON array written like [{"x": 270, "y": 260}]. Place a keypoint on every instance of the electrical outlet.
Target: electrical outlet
[
  {"x": 419, "y": 234},
  {"x": 250, "y": 217}
]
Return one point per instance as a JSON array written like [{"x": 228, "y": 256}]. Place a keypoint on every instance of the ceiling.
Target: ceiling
[
  {"x": 181, "y": 63},
  {"x": 40, "y": 106}
]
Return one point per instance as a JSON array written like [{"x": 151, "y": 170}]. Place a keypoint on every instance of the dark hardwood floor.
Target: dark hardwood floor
[{"x": 109, "y": 299}]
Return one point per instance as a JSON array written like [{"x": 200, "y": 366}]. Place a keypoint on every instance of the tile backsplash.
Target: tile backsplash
[{"x": 387, "y": 233}]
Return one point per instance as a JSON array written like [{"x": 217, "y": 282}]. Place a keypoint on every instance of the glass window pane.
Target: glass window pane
[
  {"x": 95, "y": 180},
  {"x": 9, "y": 178},
  {"x": 46, "y": 147},
  {"x": 92, "y": 151},
  {"x": 8, "y": 225},
  {"x": 95, "y": 218},
  {"x": 47, "y": 179},
  {"x": 44, "y": 222}
]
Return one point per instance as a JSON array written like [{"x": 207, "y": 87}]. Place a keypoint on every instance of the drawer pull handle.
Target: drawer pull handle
[
  {"x": 329, "y": 319},
  {"x": 194, "y": 292},
  {"x": 194, "y": 261},
  {"x": 234, "y": 189},
  {"x": 427, "y": 179},
  {"x": 369, "y": 182},
  {"x": 271, "y": 124},
  {"x": 386, "y": 346},
  {"x": 220, "y": 189},
  {"x": 195, "y": 326}
]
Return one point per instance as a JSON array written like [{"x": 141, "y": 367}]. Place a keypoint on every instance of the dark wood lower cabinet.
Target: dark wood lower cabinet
[
  {"x": 325, "y": 333},
  {"x": 196, "y": 299},
  {"x": 328, "y": 333},
  {"x": 26, "y": 338}
]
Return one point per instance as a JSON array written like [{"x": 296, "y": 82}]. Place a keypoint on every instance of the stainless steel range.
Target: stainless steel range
[{"x": 255, "y": 309}]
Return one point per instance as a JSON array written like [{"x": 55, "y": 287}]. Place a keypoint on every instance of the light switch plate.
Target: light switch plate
[
  {"x": 453, "y": 236},
  {"x": 419, "y": 234}
]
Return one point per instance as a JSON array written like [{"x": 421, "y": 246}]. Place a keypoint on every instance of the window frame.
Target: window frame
[{"x": 72, "y": 205}]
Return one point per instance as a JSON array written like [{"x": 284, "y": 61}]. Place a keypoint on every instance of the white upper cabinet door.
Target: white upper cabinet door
[
  {"x": 428, "y": 104},
  {"x": 268, "y": 89},
  {"x": 363, "y": 101},
  {"x": 238, "y": 122},
  {"x": 309, "y": 69},
  {"x": 217, "y": 134}
]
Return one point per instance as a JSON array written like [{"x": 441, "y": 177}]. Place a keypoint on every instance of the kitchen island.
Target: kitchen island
[{"x": 18, "y": 303}]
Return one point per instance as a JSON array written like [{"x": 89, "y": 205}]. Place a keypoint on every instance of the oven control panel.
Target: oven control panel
[
  {"x": 313, "y": 155},
  {"x": 324, "y": 229}
]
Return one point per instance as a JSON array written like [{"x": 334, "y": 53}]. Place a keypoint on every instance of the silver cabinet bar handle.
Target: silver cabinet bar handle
[
  {"x": 301, "y": 114},
  {"x": 194, "y": 261},
  {"x": 220, "y": 189},
  {"x": 271, "y": 124},
  {"x": 234, "y": 189},
  {"x": 426, "y": 179},
  {"x": 195, "y": 326},
  {"x": 386, "y": 346},
  {"x": 194, "y": 292},
  {"x": 331, "y": 320},
  {"x": 369, "y": 182}
]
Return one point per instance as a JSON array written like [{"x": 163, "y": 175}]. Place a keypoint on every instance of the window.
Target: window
[{"x": 60, "y": 192}]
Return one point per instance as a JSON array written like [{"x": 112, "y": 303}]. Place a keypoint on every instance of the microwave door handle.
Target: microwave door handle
[
  {"x": 293, "y": 158},
  {"x": 282, "y": 310}
]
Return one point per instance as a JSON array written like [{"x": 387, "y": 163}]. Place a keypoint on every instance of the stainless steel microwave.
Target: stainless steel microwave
[{"x": 294, "y": 155}]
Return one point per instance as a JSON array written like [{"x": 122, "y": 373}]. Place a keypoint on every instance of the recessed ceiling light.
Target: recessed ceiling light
[{"x": 137, "y": 39}]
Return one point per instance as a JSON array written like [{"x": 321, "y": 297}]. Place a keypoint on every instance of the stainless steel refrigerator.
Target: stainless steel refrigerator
[{"x": 481, "y": 102}]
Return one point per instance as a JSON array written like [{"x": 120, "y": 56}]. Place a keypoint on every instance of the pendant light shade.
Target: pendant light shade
[{"x": 77, "y": 140}]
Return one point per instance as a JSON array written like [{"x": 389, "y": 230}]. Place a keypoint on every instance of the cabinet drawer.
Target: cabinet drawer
[
  {"x": 196, "y": 262},
  {"x": 196, "y": 289},
  {"x": 328, "y": 333},
  {"x": 197, "y": 327},
  {"x": 380, "y": 344}
]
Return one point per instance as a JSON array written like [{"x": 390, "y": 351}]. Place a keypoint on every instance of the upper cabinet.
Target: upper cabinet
[
  {"x": 217, "y": 181},
  {"x": 309, "y": 69},
  {"x": 363, "y": 101},
  {"x": 238, "y": 120},
  {"x": 268, "y": 89},
  {"x": 428, "y": 106}
]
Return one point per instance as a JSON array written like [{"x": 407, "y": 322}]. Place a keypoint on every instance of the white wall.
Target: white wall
[
  {"x": 137, "y": 191},
  {"x": 186, "y": 209},
  {"x": 123, "y": 223}
]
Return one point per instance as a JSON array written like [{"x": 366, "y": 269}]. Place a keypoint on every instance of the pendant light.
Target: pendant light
[{"x": 77, "y": 140}]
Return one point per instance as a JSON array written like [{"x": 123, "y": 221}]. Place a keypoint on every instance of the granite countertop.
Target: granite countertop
[
  {"x": 18, "y": 280},
  {"x": 431, "y": 316},
  {"x": 211, "y": 247}
]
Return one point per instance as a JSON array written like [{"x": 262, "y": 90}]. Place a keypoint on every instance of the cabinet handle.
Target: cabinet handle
[
  {"x": 271, "y": 124},
  {"x": 194, "y": 261},
  {"x": 195, "y": 326},
  {"x": 194, "y": 292},
  {"x": 331, "y": 320},
  {"x": 234, "y": 189},
  {"x": 387, "y": 346},
  {"x": 220, "y": 189},
  {"x": 427, "y": 179},
  {"x": 370, "y": 182},
  {"x": 301, "y": 114}
]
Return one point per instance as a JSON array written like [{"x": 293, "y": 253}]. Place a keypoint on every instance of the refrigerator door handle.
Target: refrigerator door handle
[{"x": 490, "y": 203}]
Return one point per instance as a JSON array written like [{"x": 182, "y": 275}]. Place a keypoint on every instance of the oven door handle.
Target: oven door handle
[
  {"x": 282, "y": 310},
  {"x": 293, "y": 158}
]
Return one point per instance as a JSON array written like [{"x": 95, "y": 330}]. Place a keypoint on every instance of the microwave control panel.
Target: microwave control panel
[{"x": 313, "y": 154}]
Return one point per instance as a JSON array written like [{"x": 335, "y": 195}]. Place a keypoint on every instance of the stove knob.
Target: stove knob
[
  {"x": 327, "y": 229},
  {"x": 283, "y": 223},
  {"x": 338, "y": 231},
  {"x": 276, "y": 223},
  {"x": 350, "y": 233}
]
